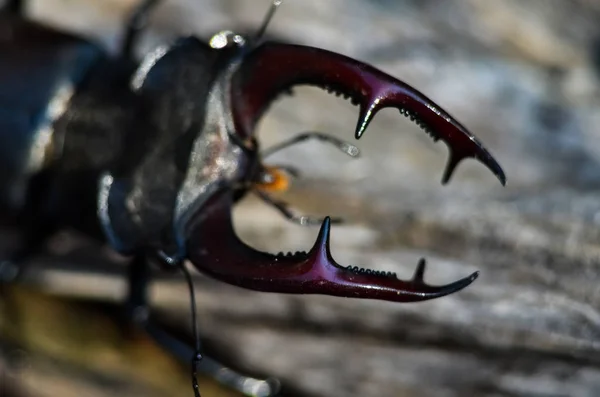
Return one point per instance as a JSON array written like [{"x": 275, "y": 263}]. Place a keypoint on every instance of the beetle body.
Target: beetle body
[
  {"x": 154, "y": 154},
  {"x": 39, "y": 70},
  {"x": 104, "y": 131}
]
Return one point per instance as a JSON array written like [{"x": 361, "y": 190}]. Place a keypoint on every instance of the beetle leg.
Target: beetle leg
[
  {"x": 135, "y": 25},
  {"x": 210, "y": 367},
  {"x": 38, "y": 220},
  {"x": 136, "y": 306},
  {"x": 214, "y": 249},
  {"x": 271, "y": 69},
  {"x": 137, "y": 310}
]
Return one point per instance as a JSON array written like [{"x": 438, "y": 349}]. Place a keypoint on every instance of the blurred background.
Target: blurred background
[{"x": 522, "y": 75}]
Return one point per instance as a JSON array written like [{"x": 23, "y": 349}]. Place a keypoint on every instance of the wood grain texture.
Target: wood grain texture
[
  {"x": 523, "y": 76},
  {"x": 61, "y": 347}
]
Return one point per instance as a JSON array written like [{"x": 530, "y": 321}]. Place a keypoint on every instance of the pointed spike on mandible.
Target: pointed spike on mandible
[{"x": 420, "y": 271}]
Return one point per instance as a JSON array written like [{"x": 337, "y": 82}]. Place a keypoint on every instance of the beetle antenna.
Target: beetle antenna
[
  {"x": 274, "y": 5},
  {"x": 197, "y": 355},
  {"x": 345, "y": 147}
]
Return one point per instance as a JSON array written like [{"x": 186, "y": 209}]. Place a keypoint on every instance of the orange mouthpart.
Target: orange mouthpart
[{"x": 275, "y": 180}]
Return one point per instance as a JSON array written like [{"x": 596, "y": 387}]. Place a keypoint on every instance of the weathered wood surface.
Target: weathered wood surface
[
  {"x": 55, "y": 346},
  {"x": 522, "y": 75}
]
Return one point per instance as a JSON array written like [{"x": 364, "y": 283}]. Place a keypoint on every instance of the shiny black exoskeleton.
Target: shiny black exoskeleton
[
  {"x": 96, "y": 133},
  {"x": 103, "y": 144},
  {"x": 150, "y": 156}
]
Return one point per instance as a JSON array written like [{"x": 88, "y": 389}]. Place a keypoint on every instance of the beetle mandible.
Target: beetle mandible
[{"x": 151, "y": 156}]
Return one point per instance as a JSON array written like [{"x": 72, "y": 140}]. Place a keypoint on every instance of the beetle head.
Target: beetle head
[{"x": 260, "y": 74}]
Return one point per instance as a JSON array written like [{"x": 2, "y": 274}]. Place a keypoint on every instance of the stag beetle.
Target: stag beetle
[{"x": 151, "y": 156}]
